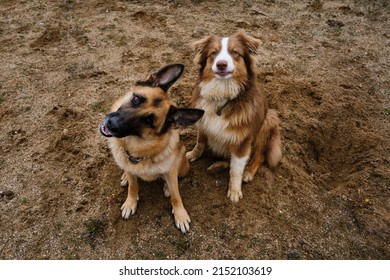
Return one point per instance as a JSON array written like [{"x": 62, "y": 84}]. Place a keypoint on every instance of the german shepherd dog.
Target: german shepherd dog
[
  {"x": 237, "y": 124},
  {"x": 142, "y": 131}
]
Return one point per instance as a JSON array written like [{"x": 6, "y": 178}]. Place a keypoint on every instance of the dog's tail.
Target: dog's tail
[{"x": 273, "y": 150}]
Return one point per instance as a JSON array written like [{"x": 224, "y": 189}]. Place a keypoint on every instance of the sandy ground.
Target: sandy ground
[{"x": 324, "y": 66}]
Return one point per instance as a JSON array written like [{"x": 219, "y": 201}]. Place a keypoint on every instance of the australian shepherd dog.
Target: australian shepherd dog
[{"x": 237, "y": 125}]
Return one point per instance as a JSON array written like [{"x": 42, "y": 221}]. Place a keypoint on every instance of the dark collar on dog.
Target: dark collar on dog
[
  {"x": 220, "y": 108},
  {"x": 133, "y": 159}
]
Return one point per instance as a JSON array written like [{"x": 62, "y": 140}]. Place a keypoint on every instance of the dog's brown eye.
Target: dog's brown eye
[
  {"x": 235, "y": 54},
  {"x": 137, "y": 100},
  {"x": 213, "y": 54}
]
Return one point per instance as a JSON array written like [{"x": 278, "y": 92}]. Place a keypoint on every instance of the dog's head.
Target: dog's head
[
  {"x": 227, "y": 57},
  {"x": 147, "y": 109}
]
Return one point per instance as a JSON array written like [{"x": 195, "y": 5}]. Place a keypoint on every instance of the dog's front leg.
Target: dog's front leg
[
  {"x": 130, "y": 206},
  {"x": 239, "y": 159},
  {"x": 199, "y": 148},
  {"x": 237, "y": 166},
  {"x": 182, "y": 219}
]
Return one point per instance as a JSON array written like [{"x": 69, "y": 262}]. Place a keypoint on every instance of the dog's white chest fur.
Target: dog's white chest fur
[
  {"x": 219, "y": 90},
  {"x": 214, "y": 95}
]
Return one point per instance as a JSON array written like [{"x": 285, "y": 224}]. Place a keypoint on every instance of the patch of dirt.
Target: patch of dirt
[{"x": 324, "y": 66}]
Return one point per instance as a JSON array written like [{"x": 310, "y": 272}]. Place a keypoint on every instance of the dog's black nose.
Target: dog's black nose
[
  {"x": 222, "y": 65},
  {"x": 112, "y": 123}
]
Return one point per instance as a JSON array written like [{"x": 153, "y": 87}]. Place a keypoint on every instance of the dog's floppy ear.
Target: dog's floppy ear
[
  {"x": 252, "y": 44},
  {"x": 200, "y": 48},
  {"x": 180, "y": 117},
  {"x": 163, "y": 78}
]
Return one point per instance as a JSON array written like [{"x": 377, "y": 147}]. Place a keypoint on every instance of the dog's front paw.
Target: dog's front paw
[
  {"x": 182, "y": 220},
  {"x": 192, "y": 155},
  {"x": 234, "y": 194},
  {"x": 128, "y": 208}
]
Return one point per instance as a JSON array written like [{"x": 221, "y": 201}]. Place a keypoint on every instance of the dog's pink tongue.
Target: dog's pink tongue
[{"x": 105, "y": 131}]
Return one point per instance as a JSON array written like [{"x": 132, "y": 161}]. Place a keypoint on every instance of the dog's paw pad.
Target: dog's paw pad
[
  {"x": 128, "y": 208},
  {"x": 234, "y": 195}
]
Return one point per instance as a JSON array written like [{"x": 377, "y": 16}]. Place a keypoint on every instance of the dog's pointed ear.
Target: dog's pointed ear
[
  {"x": 200, "y": 48},
  {"x": 252, "y": 44},
  {"x": 180, "y": 117},
  {"x": 164, "y": 78}
]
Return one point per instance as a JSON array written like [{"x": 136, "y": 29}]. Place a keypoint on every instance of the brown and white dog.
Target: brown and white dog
[
  {"x": 144, "y": 139},
  {"x": 237, "y": 123}
]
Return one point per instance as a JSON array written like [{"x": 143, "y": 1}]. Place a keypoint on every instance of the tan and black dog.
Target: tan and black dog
[{"x": 144, "y": 139}]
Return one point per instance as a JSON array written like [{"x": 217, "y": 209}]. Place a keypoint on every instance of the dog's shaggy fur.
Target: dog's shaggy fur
[{"x": 237, "y": 123}]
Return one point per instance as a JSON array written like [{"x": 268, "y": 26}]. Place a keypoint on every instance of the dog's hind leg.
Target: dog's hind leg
[
  {"x": 273, "y": 149},
  {"x": 253, "y": 166},
  {"x": 166, "y": 190},
  {"x": 124, "y": 180},
  {"x": 130, "y": 206},
  {"x": 257, "y": 157},
  {"x": 199, "y": 148},
  {"x": 267, "y": 146},
  {"x": 218, "y": 166}
]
